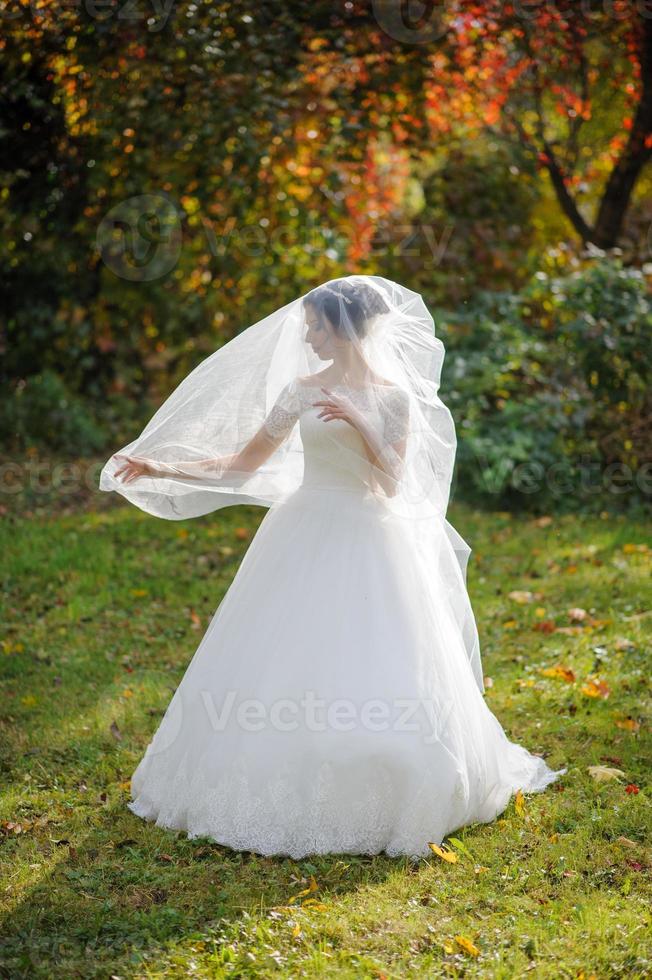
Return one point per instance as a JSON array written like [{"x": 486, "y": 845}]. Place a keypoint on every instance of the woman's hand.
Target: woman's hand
[
  {"x": 338, "y": 407},
  {"x": 133, "y": 468}
]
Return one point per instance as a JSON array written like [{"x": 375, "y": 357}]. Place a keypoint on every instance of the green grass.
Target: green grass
[{"x": 104, "y": 607}]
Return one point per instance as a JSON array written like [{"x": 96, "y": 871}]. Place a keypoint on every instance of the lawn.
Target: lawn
[{"x": 104, "y": 606}]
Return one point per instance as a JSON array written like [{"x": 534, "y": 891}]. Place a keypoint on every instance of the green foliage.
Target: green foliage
[
  {"x": 41, "y": 411},
  {"x": 551, "y": 390}
]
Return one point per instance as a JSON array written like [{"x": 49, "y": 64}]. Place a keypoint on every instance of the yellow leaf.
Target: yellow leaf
[
  {"x": 631, "y": 549},
  {"x": 519, "y": 803},
  {"x": 558, "y": 670},
  {"x": 510, "y": 624},
  {"x": 296, "y": 931},
  {"x": 312, "y": 887},
  {"x": 139, "y": 592},
  {"x": 444, "y": 853},
  {"x": 467, "y": 945},
  {"x": 595, "y": 689},
  {"x": 628, "y": 724},
  {"x": 540, "y": 612},
  {"x": 29, "y": 701}
]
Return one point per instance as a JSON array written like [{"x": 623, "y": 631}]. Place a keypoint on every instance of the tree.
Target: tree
[{"x": 571, "y": 81}]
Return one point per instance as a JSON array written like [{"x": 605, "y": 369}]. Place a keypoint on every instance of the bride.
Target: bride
[{"x": 335, "y": 703}]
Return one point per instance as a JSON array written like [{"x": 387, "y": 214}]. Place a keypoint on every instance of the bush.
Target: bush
[
  {"x": 550, "y": 389},
  {"x": 40, "y": 411}
]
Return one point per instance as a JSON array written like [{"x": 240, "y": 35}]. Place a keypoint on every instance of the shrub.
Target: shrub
[
  {"x": 551, "y": 392},
  {"x": 40, "y": 411}
]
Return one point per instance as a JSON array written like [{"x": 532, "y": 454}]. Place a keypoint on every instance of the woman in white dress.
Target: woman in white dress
[{"x": 335, "y": 703}]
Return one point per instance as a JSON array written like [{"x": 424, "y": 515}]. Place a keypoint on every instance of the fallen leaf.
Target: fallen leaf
[
  {"x": 603, "y": 774},
  {"x": 444, "y": 853},
  {"x": 595, "y": 689},
  {"x": 628, "y": 724},
  {"x": 545, "y": 626},
  {"x": 312, "y": 903},
  {"x": 559, "y": 671},
  {"x": 467, "y": 945},
  {"x": 312, "y": 887},
  {"x": 519, "y": 803}
]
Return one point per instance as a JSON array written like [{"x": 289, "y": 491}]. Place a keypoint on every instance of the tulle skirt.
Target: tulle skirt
[{"x": 331, "y": 706}]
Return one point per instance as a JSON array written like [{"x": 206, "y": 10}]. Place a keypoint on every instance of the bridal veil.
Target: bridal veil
[{"x": 248, "y": 385}]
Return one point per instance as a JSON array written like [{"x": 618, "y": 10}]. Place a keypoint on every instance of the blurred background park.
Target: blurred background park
[{"x": 173, "y": 171}]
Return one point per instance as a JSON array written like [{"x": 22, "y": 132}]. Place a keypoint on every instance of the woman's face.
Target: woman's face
[{"x": 320, "y": 334}]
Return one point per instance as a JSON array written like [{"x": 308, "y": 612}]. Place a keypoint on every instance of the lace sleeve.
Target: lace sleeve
[
  {"x": 397, "y": 416},
  {"x": 284, "y": 413}
]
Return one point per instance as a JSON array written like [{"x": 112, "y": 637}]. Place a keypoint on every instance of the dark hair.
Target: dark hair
[{"x": 360, "y": 302}]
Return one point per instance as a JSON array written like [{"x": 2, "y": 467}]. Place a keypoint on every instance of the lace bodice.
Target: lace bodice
[
  {"x": 334, "y": 451},
  {"x": 298, "y": 397}
]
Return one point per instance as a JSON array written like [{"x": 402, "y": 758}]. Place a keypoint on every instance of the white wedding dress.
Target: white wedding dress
[{"x": 332, "y": 705}]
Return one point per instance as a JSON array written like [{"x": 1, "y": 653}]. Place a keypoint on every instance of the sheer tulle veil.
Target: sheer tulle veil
[{"x": 221, "y": 405}]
